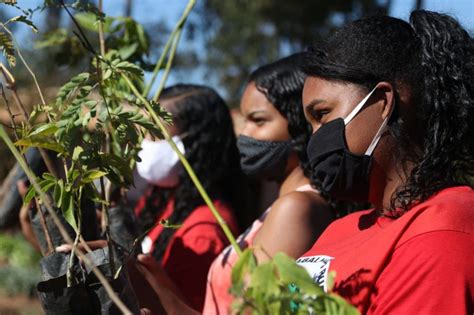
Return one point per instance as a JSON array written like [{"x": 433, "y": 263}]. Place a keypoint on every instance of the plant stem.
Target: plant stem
[
  {"x": 26, "y": 64},
  {"x": 104, "y": 191},
  {"x": 105, "y": 218},
  {"x": 38, "y": 207},
  {"x": 44, "y": 225},
  {"x": 71, "y": 258},
  {"x": 164, "y": 53},
  {"x": 168, "y": 66},
  {"x": 11, "y": 85},
  {"x": 101, "y": 31},
  {"x": 186, "y": 165},
  {"x": 123, "y": 308},
  {"x": 10, "y": 113}
]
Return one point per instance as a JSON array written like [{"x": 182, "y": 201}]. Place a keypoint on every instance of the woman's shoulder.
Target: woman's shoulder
[{"x": 299, "y": 207}]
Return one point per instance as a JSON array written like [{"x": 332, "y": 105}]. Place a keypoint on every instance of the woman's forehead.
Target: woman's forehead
[{"x": 254, "y": 100}]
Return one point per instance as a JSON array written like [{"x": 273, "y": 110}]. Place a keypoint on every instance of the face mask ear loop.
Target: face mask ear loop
[
  {"x": 357, "y": 109},
  {"x": 379, "y": 133}
]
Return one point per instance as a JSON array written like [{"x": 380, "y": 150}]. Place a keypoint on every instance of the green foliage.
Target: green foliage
[
  {"x": 19, "y": 270},
  {"x": 91, "y": 124},
  {"x": 280, "y": 286},
  {"x": 15, "y": 251}
]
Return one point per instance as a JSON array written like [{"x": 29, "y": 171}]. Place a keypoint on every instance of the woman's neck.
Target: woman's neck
[
  {"x": 293, "y": 181},
  {"x": 391, "y": 177}
]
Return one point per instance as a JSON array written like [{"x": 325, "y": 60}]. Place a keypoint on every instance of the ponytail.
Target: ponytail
[{"x": 447, "y": 107}]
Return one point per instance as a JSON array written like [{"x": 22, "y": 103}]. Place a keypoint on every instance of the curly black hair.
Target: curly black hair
[
  {"x": 210, "y": 147},
  {"x": 432, "y": 56},
  {"x": 282, "y": 84}
]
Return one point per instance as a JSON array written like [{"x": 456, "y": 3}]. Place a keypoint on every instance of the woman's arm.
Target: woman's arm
[{"x": 292, "y": 226}]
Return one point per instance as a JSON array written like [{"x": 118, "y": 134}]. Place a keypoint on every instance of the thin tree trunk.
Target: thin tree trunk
[
  {"x": 419, "y": 4},
  {"x": 128, "y": 8}
]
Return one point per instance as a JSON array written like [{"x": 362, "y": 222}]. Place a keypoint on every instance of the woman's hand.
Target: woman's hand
[{"x": 87, "y": 246}]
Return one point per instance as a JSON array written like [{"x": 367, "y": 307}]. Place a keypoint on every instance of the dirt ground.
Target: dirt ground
[{"x": 19, "y": 305}]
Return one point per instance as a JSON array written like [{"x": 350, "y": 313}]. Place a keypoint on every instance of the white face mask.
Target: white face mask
[{"x": 160, "y": 164}]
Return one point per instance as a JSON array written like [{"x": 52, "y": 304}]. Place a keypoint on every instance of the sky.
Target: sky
[{"x": 148, "y": 11}]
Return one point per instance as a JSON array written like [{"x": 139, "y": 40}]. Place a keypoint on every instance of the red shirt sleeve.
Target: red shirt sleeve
[
  {"x": 192, "y": 250},
  {"x": 431, "y": 273}
]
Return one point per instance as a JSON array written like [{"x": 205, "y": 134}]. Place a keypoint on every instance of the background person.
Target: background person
[{"x": 203, "y": 131}]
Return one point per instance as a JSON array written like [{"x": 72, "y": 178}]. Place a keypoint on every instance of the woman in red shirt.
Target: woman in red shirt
[
  {"x": 391, "y": 104},
  {"x": 203, "y": 130}
]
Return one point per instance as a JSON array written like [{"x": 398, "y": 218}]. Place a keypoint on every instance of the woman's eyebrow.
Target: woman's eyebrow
[
  {"x": 314, "y": 102},
  {"x": 256, "y": 112}
]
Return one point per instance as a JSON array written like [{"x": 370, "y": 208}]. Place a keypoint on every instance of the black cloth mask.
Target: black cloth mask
[
  {"x": 264, "y": 159},
  {"x": 334, "y": 169}
]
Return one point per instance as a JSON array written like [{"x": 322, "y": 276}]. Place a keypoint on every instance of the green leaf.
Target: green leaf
[
  {"x": 66, "y": 90},
  {"x": 24, "y": 19},
  {"x": 76, "y": 153},
  {"x": 107, "y": 74},
  {"x": 129, "y": 67},
  {"x": 87, "y": 20},
  {"x": 49, "y": 176},
  {"x": 58, "y": 192},
  {"x": 127, "y": 51},
  {"x": 8, "y": 49},
  {"x": 245, "y": 263},
  {"x": 291, "y": 273},
  {"x": 53, "y": 38},
  {"x": 91, "y": 175},
  {"x": 41, "y": 142},
  {"x": 67, "y": 206},
  {"x": 45, "y": 130},
  {"x": 263, "y": 278},
  {"x": 30, "y": 194}
]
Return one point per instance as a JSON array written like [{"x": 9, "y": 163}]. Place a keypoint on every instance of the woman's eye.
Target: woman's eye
[
  {"x": 259, "y": 122},
  {"x": 318, "y": 115}
]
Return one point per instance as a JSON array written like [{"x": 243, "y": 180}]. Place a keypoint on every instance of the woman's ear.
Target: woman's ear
[{"x": 387, "y": 94}]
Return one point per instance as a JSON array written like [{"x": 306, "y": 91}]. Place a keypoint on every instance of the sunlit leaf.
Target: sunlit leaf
[
  {"x": 91, "y": 175},
  {"x": 245, "y": 263},
  {"x": 44, "y": 130},
  {"x": 41, "y": 142}
]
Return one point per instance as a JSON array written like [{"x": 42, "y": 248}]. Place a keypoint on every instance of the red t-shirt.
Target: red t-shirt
[
  {"x": 420, "y": 263},
  {"x": 193, "y": 247}
]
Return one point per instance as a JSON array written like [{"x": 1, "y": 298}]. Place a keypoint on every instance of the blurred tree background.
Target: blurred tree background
[
  {"x": 243, "y": 34},
  {"x": 223, "y": 40}
]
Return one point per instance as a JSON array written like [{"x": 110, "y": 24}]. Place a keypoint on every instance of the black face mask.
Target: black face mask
[
  {"x": 336, "y": 170},
  {"x": 264, "y": 159}
]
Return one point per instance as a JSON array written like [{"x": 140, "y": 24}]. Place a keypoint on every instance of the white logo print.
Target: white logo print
[{"x": 317, "y": 267}]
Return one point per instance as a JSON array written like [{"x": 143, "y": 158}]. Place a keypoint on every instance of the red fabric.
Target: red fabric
[
  {"x": 193, "y": 247},
  {"x": 420, "y": 263}
]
